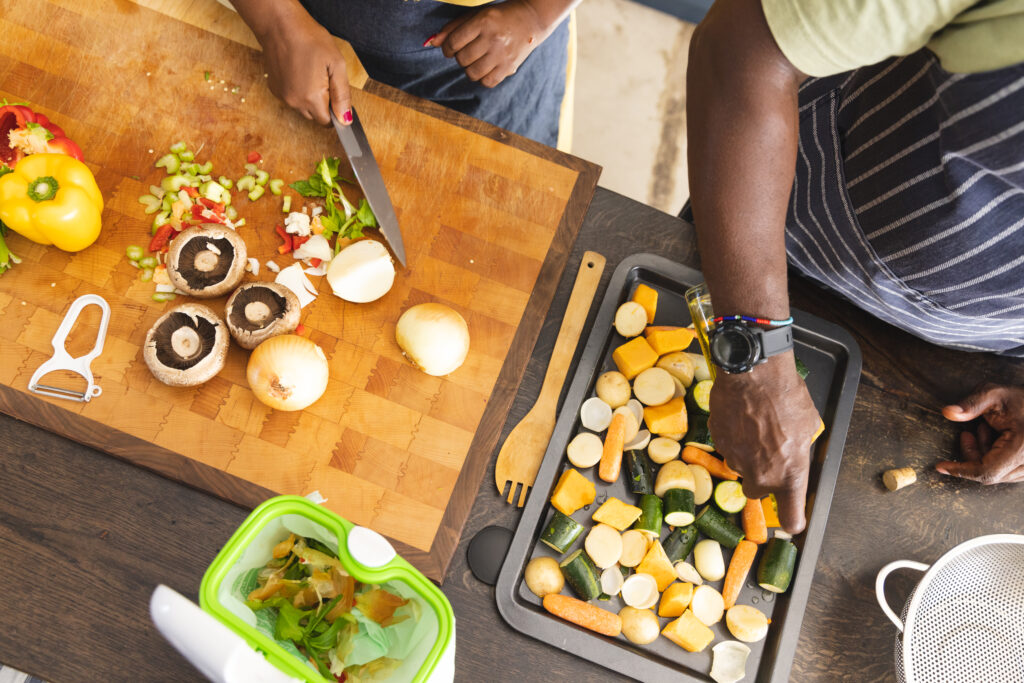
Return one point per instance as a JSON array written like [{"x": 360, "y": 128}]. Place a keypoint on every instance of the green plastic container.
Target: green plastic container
[{"x": 270, "y": 523}]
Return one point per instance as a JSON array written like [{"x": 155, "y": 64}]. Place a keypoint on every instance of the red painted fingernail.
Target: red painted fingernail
[
  {"x": 429, "y": 40},
  {"x": 347, "y": 116}
]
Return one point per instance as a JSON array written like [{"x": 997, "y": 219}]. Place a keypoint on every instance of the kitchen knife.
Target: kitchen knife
[{"x": 357, "y": 148}]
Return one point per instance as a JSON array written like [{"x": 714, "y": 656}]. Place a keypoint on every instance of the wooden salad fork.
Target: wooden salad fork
[{"x": 523, "y": 450}]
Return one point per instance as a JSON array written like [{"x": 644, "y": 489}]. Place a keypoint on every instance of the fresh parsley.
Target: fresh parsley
[{"x": 342, "y": 218}]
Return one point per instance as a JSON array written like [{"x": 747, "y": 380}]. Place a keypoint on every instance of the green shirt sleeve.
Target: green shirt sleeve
[{"x": 821, "y": 38}]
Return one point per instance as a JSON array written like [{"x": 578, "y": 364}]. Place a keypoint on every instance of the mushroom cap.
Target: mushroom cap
[
  {"x": 196, "y": 269},
  {"x": 258, "y": 311},
  {"x": 186, "y": 346}
]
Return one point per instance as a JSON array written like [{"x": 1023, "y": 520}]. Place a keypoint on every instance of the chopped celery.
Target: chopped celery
[
  {"x": 159, "y": 220},
  {"x": 245, "y": 183},
  {"x": 156, "y": 191},
  {"x": 134, "y": 252},
  {"x": 239, "y": 223},
  {"x": 231, "y": 213},
  {"x": 256, "y": 192},
  {"x": 146, "y": 275},
  {"x": 178, "y": 147},
  {"x": 173, "y": 183},
  {"x": 262, "y": 177},
  {"x": 225, "y": 182},
  {"x": 151, "y": 203},
  {"x": 148, "y": 262},
  {"x": 170, "y": 162},
  {"x": 286, "y": 203},
  {"x": 206, "y": 168},
  {"x": 250, "y": 169},
  {"x": 187, "y": 156},
  {"x": 275, "y": 186},
  {"x": 163, "y": 296},
  {"x": 191, "y": 169}
]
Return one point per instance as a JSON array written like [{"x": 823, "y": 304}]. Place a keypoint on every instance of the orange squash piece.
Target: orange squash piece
[
  {"x": 634, "y": 357},
  {"x": 668, "y": 418},
  {"x": 667, "y": 341},
  {"x": 648, "y": 298}
]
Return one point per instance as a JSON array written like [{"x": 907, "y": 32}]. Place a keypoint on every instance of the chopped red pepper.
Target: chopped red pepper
[
  {"x": 315, "y": 262},
  {"x": 254, "y": 158},
  {"x": 299, "y": 241},
  {"x": 288, "y": 243},
  {"x": 197, "y": 210},
  {"x": 301, "y": 329},
  {"x": 164, "y": 234},
  {"x": 284, "y": 248},
  {"x": 191, "y": 191},
  {"x": 216, "y": 207}
]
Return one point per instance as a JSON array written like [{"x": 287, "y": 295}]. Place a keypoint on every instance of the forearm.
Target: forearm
[
  {"x": 741, "y": 106},
  {"x": 263, "y": 16},
  {"x": 550, "y": 13}
]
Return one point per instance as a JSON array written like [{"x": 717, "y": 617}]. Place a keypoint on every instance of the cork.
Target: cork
[{"x": 896, "y": 479}]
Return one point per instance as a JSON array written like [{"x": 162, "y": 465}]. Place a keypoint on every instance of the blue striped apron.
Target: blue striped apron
[
  {"x": 388, "y": 37},
  {"x": 909, "y": 198}
]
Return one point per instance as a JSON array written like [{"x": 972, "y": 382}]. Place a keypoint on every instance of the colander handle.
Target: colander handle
[{"x": 883, "y": 573}]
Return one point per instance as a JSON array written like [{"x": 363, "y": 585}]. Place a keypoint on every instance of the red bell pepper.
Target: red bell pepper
[
  {"x": 164, "y": 234},
  {"x": 24, "y": 132},
  {"x": 253, "y": 158},
  {"x": 315, "y": 262},
  {"x": 299, "y": 241}
]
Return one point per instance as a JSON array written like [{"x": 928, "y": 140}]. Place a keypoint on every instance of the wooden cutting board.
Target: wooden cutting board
[{"x": 488, "y": 219}]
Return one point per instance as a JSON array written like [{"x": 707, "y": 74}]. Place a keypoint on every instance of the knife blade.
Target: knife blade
[{"x": 364, "y": 164}]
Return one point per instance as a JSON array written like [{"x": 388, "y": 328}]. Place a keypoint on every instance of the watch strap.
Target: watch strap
[{"x": 776, "y": 341}]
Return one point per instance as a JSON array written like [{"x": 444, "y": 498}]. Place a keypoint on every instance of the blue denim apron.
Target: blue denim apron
[
  {"x": 909, "y": 198},
  {"x": 388, "y": 37}
]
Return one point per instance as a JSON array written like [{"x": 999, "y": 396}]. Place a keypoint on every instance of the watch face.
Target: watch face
[{"x": 734, "y": 348}]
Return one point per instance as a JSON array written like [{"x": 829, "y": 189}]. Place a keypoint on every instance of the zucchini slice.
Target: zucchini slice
[
  {"x": 680, "y": 542},
  {"x": 777, "y": 564},
  {"x": 699, "y": 398},
  {"x": 561, "y": 532},
  {"x": 714, "y": 524},
  {"x": 677, "y": 507},
  {"x": 641, "y": 472},
  {"x": 650, "y": 516},
  {"x": 699, "y": 434},
  {"x": 729, "y": 496},
  {"x": 581, "y": 575}
]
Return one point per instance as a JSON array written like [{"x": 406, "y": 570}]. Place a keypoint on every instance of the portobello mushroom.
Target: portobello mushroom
[
  {"x": 206, "y": 261},
  {"x": 186, "y": 346},
  {"x": 258, "y": 311}
]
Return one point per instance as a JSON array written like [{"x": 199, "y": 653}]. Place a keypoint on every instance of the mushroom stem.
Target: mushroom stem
[
  {"x": 185, "y": 342},
  {"x": 205, "y": 261},
  {"x": 257, "y": 312}
]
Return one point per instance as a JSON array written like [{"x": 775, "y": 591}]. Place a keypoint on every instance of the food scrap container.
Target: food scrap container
[{"x": 368, "y": 558}]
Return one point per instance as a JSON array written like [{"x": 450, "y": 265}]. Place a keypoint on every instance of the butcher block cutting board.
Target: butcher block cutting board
[{"x": 488, "y": 220}]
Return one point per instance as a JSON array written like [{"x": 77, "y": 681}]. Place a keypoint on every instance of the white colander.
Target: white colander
[{"x": 964, "y": 621}]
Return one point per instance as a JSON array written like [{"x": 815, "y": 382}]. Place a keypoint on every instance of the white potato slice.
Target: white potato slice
[
  {"x": 640, "y": 591},
  {"x": 612, "y": 580},
  {"x": 634, "y": 547},
  {"x": 632, "y": 424},
  {"x": 702, "y": 483},
  {"x": 707, "y": 605},
  {"x": 686, "y": 572},
  {"x": 585, "y": 450},
  {"x": 679, "y": 364},
  {"x": 595, "y": 414},
  {"x": 746, "y": 623},
  {"x": 604, "y": 545},
  {"x": 613, "y": 388},
  {"x": 640, "y": 626},
  {"x": 654, "y": 387},
  {"x": 701, "y": 371},
  {"x": 638, "y": 409},
  {"x": 630, "y": 319},
  {"x": 707, "y": 558},
  {"x": 673, "y": 475},
  {"x": 730, "y": 662},
  {"x": 639, "y": 442},
  {"x": 680, "y": 391},
  {"x": 662, "y": 449}
]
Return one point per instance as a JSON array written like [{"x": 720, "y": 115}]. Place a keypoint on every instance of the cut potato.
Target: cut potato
[
  {"x": 662, "y": 449},
  {"x": 680, "y": 389},
  {"x": 675, "y": 436},
  {"x": 612, "y": 580},
  {"x": 746, "y": 623},
  {"x": 654, "y": 387},
  {"x": 604, "y": 545},
  {"x": 613, "y": 388},
  {"x": 679, "y": 364},
  {"x": 634, "y": 547},
  {"x": 595, "y": 414},
  {"x": 707, "y": 558},
  {"x": 673, "y": 475},
  {"x": 707, "y": 605},
  {"x": 543, "y": 576},
  {"x": 686, "y": 572},
  {"x": 639, "y": 442},
  {"x": 640, "y": 591},
  {"x": 729, "y": 662},
  {"x": 640, "y": 626},
  {"x": 632, "y": 424},
  {"x": 630, "y": 319},
  {"x": 638, "y": 409},
  {"x": 585, "y": 450},
  {"x": 701, "y": 371},
  {"x": 702, "y": 484}
]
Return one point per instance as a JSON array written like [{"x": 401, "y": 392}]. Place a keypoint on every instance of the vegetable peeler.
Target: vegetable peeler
[{"x": 62, "y": 360}]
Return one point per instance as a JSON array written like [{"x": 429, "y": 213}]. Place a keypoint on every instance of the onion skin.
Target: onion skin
[
  {"x": 287, "y": 372},
  {"x": 434, "y": 337}
]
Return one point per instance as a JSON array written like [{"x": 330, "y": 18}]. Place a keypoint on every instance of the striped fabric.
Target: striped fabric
[
  {"x": 909, "y": 198},
  {"x": 10, "y": 675}
]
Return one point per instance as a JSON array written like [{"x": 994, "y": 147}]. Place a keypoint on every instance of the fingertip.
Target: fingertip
[
  {"x": 429, "y": 42},
  {"x": 346, "y": 117}
]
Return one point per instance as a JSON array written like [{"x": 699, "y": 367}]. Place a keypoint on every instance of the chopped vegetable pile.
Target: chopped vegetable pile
[{"x": 347, "y": 223}]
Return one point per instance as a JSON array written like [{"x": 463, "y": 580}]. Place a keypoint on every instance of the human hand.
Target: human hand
[
  {"x": 491, "y": 42},
  {"x": 763, "y": 423},
  {"x": 995, "y": 453},
  {"x": 305, "y": 67}
]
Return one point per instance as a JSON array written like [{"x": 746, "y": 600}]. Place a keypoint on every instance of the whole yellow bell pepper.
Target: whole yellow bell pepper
[{"x": 52, "y": 199}]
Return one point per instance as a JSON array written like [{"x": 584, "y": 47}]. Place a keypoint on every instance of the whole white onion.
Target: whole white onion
[
  {"x": 434, "y": 337},
  {"x": 287, "y": 372}
]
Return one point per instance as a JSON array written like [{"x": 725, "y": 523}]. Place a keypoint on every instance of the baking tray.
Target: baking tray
[{"x": 834, "y": 361}]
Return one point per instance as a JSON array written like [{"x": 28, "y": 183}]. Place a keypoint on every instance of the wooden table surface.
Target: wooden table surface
[{"x": 85, "y": 537}]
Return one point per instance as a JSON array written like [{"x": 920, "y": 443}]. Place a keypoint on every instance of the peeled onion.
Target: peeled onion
[
  {"x": 361, "y": 272},
  {"x": 433, "y": 336},
  {"x": 287, "y": 372}
]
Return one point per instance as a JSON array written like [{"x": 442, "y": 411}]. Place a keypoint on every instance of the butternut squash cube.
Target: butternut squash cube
[
  {"x": 572, "y": 492},
  {"x": 648, "y": 298},
  {"x": 668, "y": 418},
  {"x": 617, "y": 514},
  {"x": 634, "y": 357},
  {"x": 771, "y": 511},
  {"x": 657, "y": 564},
  {"x": 675, "y": 599},
  {"x": 688, "y": 632},
  {"x": 667, "y": 341}
]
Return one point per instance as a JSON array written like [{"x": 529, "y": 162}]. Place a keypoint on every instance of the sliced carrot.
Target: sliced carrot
[
  {"x": 771, "y": 511},
  {"x": 611, "y": 456},
  {"x": 717, "y": 468},
  {"x": 754, "y": 527},
  {"x": 739, "y": 566},
  {"x": 583, "y": 614}
]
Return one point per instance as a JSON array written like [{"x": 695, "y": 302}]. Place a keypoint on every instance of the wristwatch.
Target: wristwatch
[{"x": 737, "y": 346}]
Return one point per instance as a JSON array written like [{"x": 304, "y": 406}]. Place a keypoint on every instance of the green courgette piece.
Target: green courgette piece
[
  {"x": 649, "y": 522},
  {"x": 581, "y": 575},
  {"x": 677, "y": 507},
  {"x": 801, "y": 369},
  {"x": 561, "y": 532},
  {"x": 729, "y": 496},
  {"x": 641, "y": 472},
  {"x": 699, "y": 434},
  {"x": 698, "y": 398},
  {"x": 680, "y": 542},
  {"x": 713, "y": 524},
  {"x": 777, "y": 565}
]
